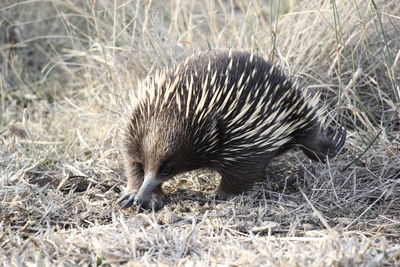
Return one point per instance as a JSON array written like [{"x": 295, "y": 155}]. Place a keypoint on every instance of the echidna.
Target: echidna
[{"x": 229, "y": 111}]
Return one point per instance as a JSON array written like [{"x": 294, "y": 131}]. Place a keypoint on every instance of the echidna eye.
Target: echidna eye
[{"x": 166, "y": 170}]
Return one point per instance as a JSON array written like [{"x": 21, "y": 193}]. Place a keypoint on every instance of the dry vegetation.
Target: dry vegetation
[{"x": 65, "y": 68}]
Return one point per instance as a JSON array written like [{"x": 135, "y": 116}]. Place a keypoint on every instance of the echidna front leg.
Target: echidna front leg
[
  {"x": 155, "y": 202},
  {"x": 130, "y": 191},
  {"x": 135, "y": 179},
  {"x": 231, "y": 186}
]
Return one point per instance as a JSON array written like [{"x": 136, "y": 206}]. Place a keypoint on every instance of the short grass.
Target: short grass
[{"x": 66, "y": 67}]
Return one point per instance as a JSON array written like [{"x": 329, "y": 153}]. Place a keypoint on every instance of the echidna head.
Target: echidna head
[{"x": 160, "y": 147}]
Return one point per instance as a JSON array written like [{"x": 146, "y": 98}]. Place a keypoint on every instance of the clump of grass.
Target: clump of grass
[{"x": 66, "y": 68}]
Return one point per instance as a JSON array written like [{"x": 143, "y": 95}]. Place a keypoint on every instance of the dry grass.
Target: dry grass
[{"x": 65, "y": 68}]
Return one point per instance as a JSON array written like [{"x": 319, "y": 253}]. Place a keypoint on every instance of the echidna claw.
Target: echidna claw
[
  {"x": 122, "y": 198},
  {"x": 155, "y": 203},
  {"x": 323, "y": 132},
  {"x": 340, "y": 139},
  {"x": 129, "y": 202},
  {"x": 138, "y": 208}
]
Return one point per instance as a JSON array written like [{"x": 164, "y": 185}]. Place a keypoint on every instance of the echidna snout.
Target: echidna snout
[{"x": 229, "y": 111}]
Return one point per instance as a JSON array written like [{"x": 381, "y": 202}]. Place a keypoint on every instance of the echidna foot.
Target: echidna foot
[
  {"x": 154, "y": 202},
  {"x": 129, "y": 196}
]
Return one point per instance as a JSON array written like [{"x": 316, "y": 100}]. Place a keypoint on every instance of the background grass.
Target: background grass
[{"x": 66, "y": 67}]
